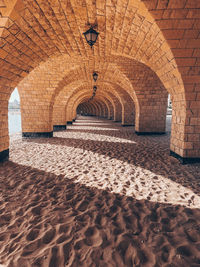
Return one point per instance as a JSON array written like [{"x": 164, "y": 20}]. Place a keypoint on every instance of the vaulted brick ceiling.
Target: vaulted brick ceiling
[
  {"x": 38, "y": 30},
  {"x": 41, "y": 29},
  {"x": 141, "y": 43}
]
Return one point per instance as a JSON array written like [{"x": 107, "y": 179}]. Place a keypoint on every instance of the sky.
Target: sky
[{"x": 14, "y": 95}]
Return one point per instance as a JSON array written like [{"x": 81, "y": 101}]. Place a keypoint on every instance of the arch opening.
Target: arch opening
[{"x": 14, "y": 113}]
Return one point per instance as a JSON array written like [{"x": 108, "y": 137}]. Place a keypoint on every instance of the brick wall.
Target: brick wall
[{"x": 42, "y": 50}]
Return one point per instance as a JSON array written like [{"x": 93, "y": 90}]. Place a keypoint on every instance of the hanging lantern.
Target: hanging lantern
[
  {"x": 94, "y": 88},
  {"x": 95, "y": 76},
  {"x": 91, "y": 36}
]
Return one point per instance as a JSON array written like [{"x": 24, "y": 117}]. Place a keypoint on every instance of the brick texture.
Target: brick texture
[{"x": 145, "y": 49}]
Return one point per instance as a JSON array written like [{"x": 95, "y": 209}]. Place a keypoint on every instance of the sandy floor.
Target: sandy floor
[{"x": 98, "y": 195}]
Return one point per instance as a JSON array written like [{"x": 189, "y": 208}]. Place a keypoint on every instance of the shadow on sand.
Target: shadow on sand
[
  {"x": 48, "y": 220},
  {"x": 147, "y": 152}
]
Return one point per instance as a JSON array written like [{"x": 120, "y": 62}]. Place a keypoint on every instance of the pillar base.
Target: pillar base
[
  {"x": 4, "y": 155},
  {"x": 37, "y": 134},
  {"x": 149, "y": 133},
  {"x": 69, "y": 122},
  {"x": 184, "y": 160},
  {"x": 127, "y": 125},
  {"x": 57, "y": 128}
]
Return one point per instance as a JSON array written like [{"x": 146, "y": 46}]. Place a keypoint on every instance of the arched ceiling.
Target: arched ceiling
[
  {"x": 103, "y": 87},
  {"x": 80, "y": 96},
  {"x": 41, "y": 31},
  {"x": 101, "y": 101},
  {"x": 60, "y": 77}
]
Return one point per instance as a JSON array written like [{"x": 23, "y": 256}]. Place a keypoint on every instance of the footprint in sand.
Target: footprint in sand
[
  {"x": 36, "y": 210},
  {"x": 83, "y": 205},
  {"x": 48, "y": 236},
  {"x": 62, "y": 239},
  {"x": 100, "y": 220},
  {"x": 30, "y": 248},
  {"x": 33, "y": 234},
  {"x": 65, "y": 228},
  {"x": 93, "y": 237},
  {"x": 3, "y": 237},
  {"x": 184, "y": 251}
]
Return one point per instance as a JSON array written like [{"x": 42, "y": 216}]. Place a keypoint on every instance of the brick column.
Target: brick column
[
  {"x": 4, "y": 137},
  {"x": 104, "y": 110},
  {"x": 185, "y": 135},
  {"x": 36, "y": 119},
  {"x": 111, "y": 110},
  {"x": 59, "y": 118},
  {"x": 151, "y": 117},
  {"x": 94, "y": 108},
  {"x": 117, "y": 112},
  {"x": 128, "y": 114}
]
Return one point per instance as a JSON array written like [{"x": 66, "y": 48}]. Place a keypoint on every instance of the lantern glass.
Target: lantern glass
[
  {"x": 95, "y": 76},
  {"x": 91, "y": 36}
]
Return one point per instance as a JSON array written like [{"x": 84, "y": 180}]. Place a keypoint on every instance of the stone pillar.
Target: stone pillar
[
  {"x": 128, "y": 115},
  {"x": 185, "y": 133},
  {"x": 36, "y": 119},
  {"x": 59, "y": 118},
  {"x": 151, "y": 117},
  {"x": 117, "y": 112},
  {"x": 4, "y": 136}
]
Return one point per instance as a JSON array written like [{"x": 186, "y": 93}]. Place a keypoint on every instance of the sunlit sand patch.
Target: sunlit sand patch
[
  {"x": 90, "y": 124},
  {"x": 91, "y": 128},
  {"x": 76, "y": 202},
  {"x": 103, "y": 172},
  {"x": 94, "y": 137}
]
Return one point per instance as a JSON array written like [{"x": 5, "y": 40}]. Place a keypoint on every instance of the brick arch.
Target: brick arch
[
  {"x": 33, "y": 33},
  {"x": 28, "y": 15},
  {"x": 81, "y": 96},
  {"x": 115, "y": 96},
  {"x": 125, "y": 98},
  {"x": 126, "y": 82},
  {"x": 103, "y": 108},
  {"x": 101, "y": 100},
  {"x": 108, "y": 71},
  {"x": 108, "y": 104},
  {"x": 127, "y": 103},
  {"x": 89, "y": 111},
  {"x": 87, "y": 105},
  {"x": 67, "y": 93},
  {"x": 82, "y": 105},
  {"x": 100, "y": 103},
  {"x": 96, "y": 107},
  {"x": 63, "y": 99},
  {"x": 30, "y": 84},
  {"x": 109, "y": 76},
  {"x": 179, "y": 23}
]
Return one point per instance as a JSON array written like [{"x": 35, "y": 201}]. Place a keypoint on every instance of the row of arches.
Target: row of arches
[
  {"x": 118, "y": 93},
  {"x": 142, "y": 54}
]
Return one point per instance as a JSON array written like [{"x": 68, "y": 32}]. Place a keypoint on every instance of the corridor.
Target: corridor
[{"x": 98, "y": 195}]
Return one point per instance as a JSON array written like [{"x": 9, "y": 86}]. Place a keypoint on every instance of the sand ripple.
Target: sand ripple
[{"x": 86, "y": 198}]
